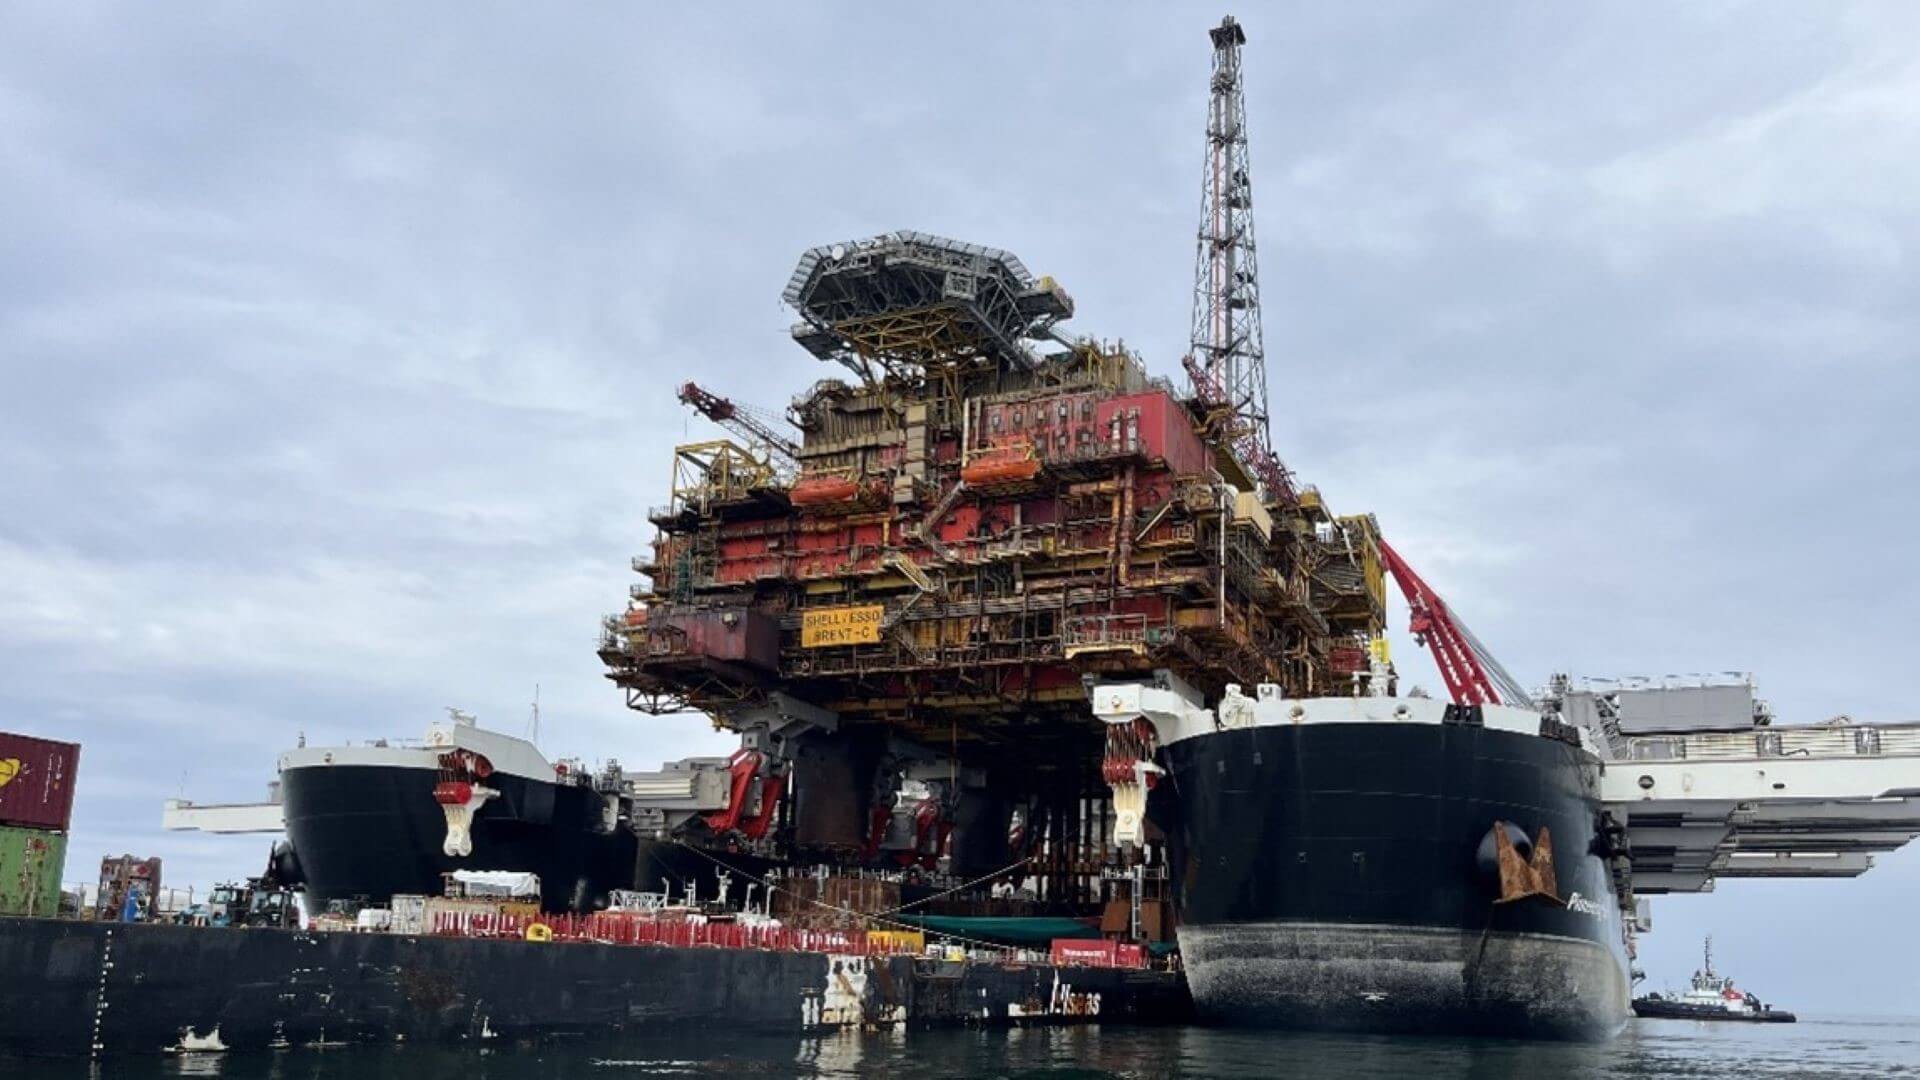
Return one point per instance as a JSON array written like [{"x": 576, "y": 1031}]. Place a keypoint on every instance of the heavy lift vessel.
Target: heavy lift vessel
[
  {"x": 1031, "y": 632},
  {"x": 997, "y": 602}
]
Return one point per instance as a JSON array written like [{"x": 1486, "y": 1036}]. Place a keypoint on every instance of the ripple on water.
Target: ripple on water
[{"x": 1815, "y": 1049}]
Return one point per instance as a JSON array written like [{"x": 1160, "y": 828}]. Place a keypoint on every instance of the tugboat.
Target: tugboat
[{"x": 1711, "y": 997}]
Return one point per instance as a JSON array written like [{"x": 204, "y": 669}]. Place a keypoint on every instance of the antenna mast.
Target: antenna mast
[{"x": 1227, "y": 361}]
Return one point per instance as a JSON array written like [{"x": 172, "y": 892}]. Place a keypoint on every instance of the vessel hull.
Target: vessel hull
[
  {"x": 375, "y": 830},
  {"x": 1335, "y": 876},
  {"x": 1678, "y": 1010},
  {"x": 76, "y": 989},
  {"x": 1344, "y": 977}
]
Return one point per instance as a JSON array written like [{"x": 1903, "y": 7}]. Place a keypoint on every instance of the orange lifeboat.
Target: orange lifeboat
[
  {"x": 822, "y": 490},
  {"x": 1010, "y": 463}
]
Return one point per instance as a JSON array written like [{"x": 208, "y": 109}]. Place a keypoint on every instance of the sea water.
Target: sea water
[{"x": 1814, "y": 1048}]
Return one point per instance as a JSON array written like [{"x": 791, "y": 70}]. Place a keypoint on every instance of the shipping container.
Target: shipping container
[
  {"x": 31, "y": 864},
  {"x": 128, "y": 888},
  {"x": 409, "y": 914},
  {"x": 36, "y": 781},
  {"x": 1082, "y": 952}
]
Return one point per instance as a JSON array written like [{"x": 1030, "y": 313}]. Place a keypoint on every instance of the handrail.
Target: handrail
[{"x": 1856, "y": 740}]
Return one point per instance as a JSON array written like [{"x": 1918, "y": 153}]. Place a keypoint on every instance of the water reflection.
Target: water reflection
[{"x": 1650, "y": 1049}]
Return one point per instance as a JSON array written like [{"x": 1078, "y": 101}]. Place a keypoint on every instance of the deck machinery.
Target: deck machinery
[{"x": 985, "y": 515}]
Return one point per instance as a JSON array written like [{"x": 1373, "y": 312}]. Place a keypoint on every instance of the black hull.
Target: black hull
[
  {"x": 375, "y": 830},
  {"x": 75, "y": 989},
  {"x": 1653, "y": 1009},
  {"x": 1329, "y": 876}
]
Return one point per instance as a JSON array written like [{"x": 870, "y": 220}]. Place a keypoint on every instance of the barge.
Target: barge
[{"x": 96, "y": 989}]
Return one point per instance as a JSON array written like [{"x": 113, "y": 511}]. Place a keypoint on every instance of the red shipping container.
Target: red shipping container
[
  {"x": 36, "y": 781},
  {"x": 1082, "y": 952}
]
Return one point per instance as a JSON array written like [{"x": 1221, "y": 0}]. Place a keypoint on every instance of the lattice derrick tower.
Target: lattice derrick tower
[{"x": 1227, "y": 359}]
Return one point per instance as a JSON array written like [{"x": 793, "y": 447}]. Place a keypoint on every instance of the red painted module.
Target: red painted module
[
  {"x": 750, "y": 638},
  {"x": 1156, "y": 425},
  {"x": 36, "y": 781}
]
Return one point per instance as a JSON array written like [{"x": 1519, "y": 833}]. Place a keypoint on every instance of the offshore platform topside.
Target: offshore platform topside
[
  {"x": 899, "y": 600},
  {"x": 901, "y": 589}
]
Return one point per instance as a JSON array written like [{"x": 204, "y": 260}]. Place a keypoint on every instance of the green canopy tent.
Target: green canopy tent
[{"x": 1025, "y": 931}]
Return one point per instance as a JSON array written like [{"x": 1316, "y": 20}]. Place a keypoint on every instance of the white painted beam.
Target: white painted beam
[
  {"x": 1760, "y": 779},
  {"x": 231, "y": 818}
]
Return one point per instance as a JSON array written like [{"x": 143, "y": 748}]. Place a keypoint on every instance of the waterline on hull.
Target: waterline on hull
[{"x": 1384, "y": 978}]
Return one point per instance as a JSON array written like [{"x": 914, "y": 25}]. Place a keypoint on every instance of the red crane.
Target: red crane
[
  {"x": 1472, "y": 675},
  {"x": 755, "y": 426}
]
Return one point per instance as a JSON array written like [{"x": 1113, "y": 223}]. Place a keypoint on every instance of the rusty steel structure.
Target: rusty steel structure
[
  {"x": 899, "y": 590},
  {"x": 976, "y": 524},
  {"x": 987, "y": 515}
]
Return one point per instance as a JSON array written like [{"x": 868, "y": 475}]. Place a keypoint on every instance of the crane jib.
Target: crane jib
[{"x": 1472, "y": 675}]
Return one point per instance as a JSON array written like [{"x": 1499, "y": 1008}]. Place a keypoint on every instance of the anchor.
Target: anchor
[{"x": 1524, "y": 877}]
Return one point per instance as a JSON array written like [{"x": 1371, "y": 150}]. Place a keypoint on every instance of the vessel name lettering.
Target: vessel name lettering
[{"x": 1584, "y": 906}]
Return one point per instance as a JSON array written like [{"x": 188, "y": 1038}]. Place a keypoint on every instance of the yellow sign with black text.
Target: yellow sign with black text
[{"x": 824, "y": 627}]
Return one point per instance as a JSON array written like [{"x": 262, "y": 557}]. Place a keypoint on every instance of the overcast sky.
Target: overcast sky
[{"x": 337, "y": 348}]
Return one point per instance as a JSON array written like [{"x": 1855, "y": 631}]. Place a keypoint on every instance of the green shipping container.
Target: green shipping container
[{"x": 31, "y": 863}]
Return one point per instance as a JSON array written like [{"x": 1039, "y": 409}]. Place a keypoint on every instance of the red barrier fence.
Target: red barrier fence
[
  {"x": 638, "y": 928},
  {"x": 634, "y": 928}
]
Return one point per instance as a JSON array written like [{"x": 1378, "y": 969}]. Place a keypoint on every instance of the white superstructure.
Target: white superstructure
[
  {"x": 1703, "y": 783},
  {"x": 655, "y": 800},
  {"x": 1802, "y": 801}
]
